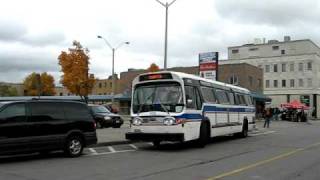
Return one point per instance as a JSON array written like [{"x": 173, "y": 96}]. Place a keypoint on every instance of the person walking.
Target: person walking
[{"x": 267, "y": 118}]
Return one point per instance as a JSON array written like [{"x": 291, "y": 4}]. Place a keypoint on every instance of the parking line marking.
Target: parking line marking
[
  {"x": 111, "y": 149},
  {"x": 263, "y": 162},
  {"x": 133, "y": 146},
  {"x": 264, "y": 133},
  {"x": 93, "y": 151},
  {"x": 105, "y": 153}
]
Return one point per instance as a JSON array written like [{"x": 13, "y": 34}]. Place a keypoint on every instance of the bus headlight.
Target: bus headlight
[
  {"x": 168, "y": 121},
  {"x": 137, "y": 121}
]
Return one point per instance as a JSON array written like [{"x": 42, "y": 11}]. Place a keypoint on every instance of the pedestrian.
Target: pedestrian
[{"x": 268, "y": 115}]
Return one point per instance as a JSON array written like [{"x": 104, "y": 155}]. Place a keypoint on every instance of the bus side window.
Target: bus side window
[
  {"x": 222, "y": 96},
  {"x": 190, "y": 96},
  {"x": 198, "y": 98},
  {"x": 231, "y": 98},
  {"x": 237, "y": 99},
  {"x": 208, "y": 95},
  {"x": 242, "y": 100}
]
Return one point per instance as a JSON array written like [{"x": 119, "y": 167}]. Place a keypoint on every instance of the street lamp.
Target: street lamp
[
  {"x": 166, "y": 5},
  {"x": 113, "y": 51}
]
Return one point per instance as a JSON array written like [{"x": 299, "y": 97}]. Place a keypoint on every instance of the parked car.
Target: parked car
[
  {"x": 46, "y": 125},
  {"x": 105, "y": 118},
  {"x": 111, "y": 108}
]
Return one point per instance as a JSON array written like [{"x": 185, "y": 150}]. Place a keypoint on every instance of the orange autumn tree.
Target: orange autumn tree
[
  {"x": 47, "y": 84},
  {"x": 75, "y": 67},
  {"x": 153, "y": 68},
  {"x": 39, "y": 84}
]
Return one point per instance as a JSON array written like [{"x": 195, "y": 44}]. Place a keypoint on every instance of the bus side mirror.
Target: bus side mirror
[{"x": 189, "y": 103}]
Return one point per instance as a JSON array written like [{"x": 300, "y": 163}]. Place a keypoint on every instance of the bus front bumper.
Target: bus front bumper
[{"x": 155, "y": 136}]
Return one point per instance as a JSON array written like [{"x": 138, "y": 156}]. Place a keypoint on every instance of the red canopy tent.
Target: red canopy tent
[{"x": 294, "y": 105}]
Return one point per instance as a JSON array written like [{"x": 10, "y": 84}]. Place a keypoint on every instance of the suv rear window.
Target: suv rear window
[{"x": 77, "y": 111}]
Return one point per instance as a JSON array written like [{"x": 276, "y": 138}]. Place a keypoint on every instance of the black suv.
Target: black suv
[{"x": 46, "y": 125}]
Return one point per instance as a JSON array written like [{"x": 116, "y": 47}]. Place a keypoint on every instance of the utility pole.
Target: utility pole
[{"x": 166, "y": 5}]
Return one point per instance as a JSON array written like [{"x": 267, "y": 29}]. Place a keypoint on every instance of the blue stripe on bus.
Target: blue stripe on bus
[
  {"x": 198, "y": 117},
  {"x": 191, "y": 116},
  {"x": 231, "y": 109}
]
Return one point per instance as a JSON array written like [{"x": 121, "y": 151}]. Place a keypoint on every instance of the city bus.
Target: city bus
[{"x": 179, "y": 107}]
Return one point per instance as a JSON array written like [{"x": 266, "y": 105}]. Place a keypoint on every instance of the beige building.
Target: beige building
[
  {"x": 104, "y": 86},
  {"x": 291, "y": 69}
]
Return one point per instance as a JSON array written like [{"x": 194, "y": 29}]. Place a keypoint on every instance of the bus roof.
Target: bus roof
[{"x": 190, "y": 76}]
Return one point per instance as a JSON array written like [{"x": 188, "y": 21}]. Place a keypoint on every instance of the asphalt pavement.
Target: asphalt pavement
[{"x": 286, "y": 150}]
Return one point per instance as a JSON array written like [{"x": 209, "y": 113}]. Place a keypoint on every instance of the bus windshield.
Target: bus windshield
[{"x": 158, "y": 97}]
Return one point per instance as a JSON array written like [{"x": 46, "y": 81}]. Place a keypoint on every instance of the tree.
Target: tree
[
  {"x": 75, "y": 67},
  {"x": 153, "y": 68},
  {"x": 6, "y": 90},
  {"x": 39, "y": 84},
  {"x": 47, "y": 84}
]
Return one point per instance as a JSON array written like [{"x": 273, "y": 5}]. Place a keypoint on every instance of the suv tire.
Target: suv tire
[{"x": 74, "y": 146}]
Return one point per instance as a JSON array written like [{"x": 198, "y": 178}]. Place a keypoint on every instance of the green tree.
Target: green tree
[{"x": 6, "y": 90}]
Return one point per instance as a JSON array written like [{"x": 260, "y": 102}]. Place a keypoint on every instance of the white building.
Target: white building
[{"x": 291, "y": 69}]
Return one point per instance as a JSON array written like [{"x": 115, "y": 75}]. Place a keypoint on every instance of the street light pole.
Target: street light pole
[
  {"x": 113, "y": 54},
  {"x": 166, "y": 5},
  {"x": 113, "y": 78}
]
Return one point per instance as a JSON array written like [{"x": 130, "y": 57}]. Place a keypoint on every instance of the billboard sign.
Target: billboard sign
[{"x": 208, "y": 65}]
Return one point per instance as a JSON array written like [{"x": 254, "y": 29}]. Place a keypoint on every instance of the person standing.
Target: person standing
[{"x": 268, "y": 116}]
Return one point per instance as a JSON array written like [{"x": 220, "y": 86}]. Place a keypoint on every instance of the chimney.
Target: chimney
[{"x": 287, "y": 38}]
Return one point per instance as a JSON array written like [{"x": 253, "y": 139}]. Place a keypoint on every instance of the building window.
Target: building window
[
  {"x": 100, "y": 85},
  {"x": 61, "y": 94},
  {"x": 309, "y": 82},
  {"x": 267, "y": 68},
  {"x": 110, "y": 84},
  {"x": 233, "y": 80},
  {"x": 253, "y": 49},
  {"x": 275, "y": 68},
  {"x": 267, "y": 83},
  {"x": 235, "y": 51},
  {"x": 309, "y": 66},
  {"x": 105, "y": 84},
  {"x": 251, "y": 80},
  {"x": 283, "y": 52},
  {"x": 275, "y": 48},
  {"x": 284, "y": 83},
  {"x": 291, "y": 82},
  {"x": 292, "y": 67},
  {"x": 300, "y": 67},
  {"x": 284, "y": 67},
  {"x": 275, "y": 83},
  {"x": 300, "y": 82}
]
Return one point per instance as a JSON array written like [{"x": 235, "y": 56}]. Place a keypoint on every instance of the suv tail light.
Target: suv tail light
[{"x": 94, "y": 125}]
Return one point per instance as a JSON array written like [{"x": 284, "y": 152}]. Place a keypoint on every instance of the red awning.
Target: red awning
[{"x": 294, "y": 105}]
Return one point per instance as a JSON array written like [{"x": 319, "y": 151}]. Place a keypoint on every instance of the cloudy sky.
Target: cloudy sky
[{"x": 33, "y": 33}]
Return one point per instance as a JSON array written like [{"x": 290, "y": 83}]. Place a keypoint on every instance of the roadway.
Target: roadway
[{"x": 288, "y": 150}]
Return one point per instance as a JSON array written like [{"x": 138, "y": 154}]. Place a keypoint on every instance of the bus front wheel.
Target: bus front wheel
[
  {"x": 203, "y": 135},
  {"x": 156, "y": 143}
]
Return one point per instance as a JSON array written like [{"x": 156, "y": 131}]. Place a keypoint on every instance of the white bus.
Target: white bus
[{"x": 173, "y": 106}]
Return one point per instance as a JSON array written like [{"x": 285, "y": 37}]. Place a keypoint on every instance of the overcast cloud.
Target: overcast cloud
[{"x": 33, "y": 33}]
